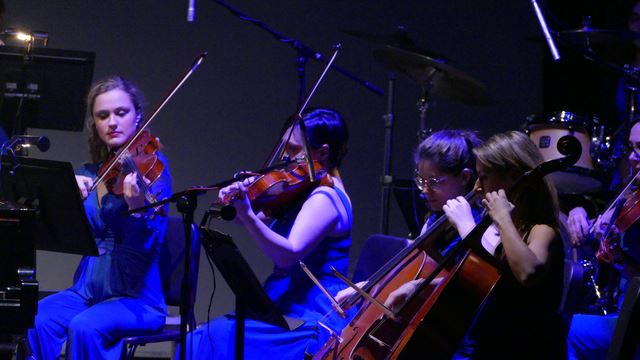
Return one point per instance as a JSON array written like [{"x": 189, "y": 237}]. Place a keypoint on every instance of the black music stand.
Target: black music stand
[
  {"x": 44, "y": 88},
  {"x": 251, "y": 299},
  {"x": 49, "y": 187},
  {"x": 411, "y": 203}
]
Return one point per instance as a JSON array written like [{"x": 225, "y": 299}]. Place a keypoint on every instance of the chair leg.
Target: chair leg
[{"x": 131, "y": 351}]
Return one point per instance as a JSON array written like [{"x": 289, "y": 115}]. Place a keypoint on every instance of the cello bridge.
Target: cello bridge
[
  {"x": 379, "y": 342},
  {"x": 332, "y": 334}
]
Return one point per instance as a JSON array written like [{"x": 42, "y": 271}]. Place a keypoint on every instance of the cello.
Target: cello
[{"x": 464, "y": 279}]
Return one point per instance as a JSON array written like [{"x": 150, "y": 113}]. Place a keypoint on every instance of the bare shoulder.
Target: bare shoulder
[
  {"x": 326, "y": 200},
  {"x": 329, "y": 191},
  {"x": 542, "y": 232},
  {"x": 543, "y": 229}
]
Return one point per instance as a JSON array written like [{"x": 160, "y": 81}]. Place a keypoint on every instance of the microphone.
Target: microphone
[
  {"x": 19, "y": 142},
  {"x": 545, "y": 30},
  {"x": 191, "y": 11},
  {"x": 221, "y": 212}
]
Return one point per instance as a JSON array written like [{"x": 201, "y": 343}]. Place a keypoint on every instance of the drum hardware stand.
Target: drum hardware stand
[
  {"x": 387, "y": 178},
  {"x": 423, "y": 106},
  {"x": 631, "y": 81},
  {"x": 436, "y": 78}
]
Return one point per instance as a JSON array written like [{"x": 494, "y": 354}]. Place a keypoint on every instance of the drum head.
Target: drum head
[{"x": 545, "y": 131}]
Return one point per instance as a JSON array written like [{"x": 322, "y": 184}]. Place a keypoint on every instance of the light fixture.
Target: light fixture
[{"x": 28, "y": 37}]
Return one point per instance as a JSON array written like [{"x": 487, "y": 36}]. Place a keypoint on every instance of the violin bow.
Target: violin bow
[
  {"x": 145, "y": 123},
  {"x": 279, "y": 148}
]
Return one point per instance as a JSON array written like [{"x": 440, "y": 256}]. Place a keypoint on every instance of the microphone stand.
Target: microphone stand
[
  {"x": 186, "y": 203},
  {"x": 545, "y": 31},
  {"x": 304, "y": 53}
]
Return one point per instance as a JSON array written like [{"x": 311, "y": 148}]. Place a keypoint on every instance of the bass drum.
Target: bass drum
[{"x": 583, "y": 177}]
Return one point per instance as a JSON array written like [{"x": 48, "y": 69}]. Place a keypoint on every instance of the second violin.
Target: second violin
[{"x": 315, "y": 229}]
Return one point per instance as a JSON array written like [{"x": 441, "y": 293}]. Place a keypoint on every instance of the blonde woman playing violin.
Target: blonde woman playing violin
[{"x": 117, "y": 293}]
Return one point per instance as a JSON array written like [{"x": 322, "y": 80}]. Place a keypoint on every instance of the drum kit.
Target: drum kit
[
  {"x": 438, "y": 78},
  {"x": 588, "y": 174},
  {"x": 601, "y": 144}
]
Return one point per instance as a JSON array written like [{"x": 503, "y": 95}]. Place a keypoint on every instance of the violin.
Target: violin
[
  {"x": 140, "y": 158},
  {"x": 277, "y": 190},
  {"x": 273, "y": 192},
  {"x": 139, "y": 154},
  {"x": 625, "y": 210}
]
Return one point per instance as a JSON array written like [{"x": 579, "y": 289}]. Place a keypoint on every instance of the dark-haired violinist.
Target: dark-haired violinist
[
  {"x": 315, "y": 229},
  {"x": 117, "y": 293},
  {"x": 590, "y": 335}
]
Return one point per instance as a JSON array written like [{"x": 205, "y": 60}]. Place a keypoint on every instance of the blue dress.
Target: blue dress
[
  {"x": 295, "y": 296},
  {"x": 115, "y": 294}
]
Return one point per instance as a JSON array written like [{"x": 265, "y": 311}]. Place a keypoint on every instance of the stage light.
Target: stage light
[{"x": 28, "y": 37}]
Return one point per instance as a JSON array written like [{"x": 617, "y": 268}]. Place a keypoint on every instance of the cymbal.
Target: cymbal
[
  {"x": 588, "y": 35},
  {"x": 400, "y": 38},
  {"x": 438, "y": 78}
]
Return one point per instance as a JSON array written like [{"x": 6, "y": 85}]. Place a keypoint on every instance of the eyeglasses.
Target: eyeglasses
[
  {"x": 432, "y": 182},
  {"x": 635, "y": 149}
]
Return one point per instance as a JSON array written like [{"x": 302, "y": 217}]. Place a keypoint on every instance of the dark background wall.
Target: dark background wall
[{"x": 227, "y": 116}]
